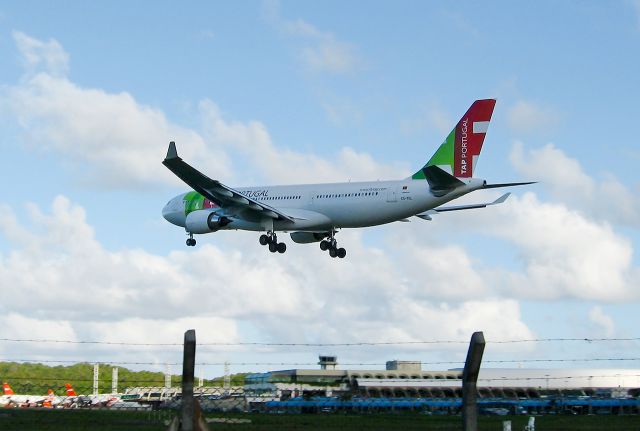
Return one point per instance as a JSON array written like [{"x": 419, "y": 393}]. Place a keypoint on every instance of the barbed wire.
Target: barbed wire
[
  {"x": 371, "y": 364},
  {"x": 351, "y": 344},
  {"x": 8, "y": 377},
  {"x": 157, "y": 383},
  {"x": 92, "y": 362}
]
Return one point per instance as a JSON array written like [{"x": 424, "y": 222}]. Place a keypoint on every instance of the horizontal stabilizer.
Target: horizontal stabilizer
[
  {"x": 426, "y": 215},
  {"x": 496, "y": 186},
  {"x": 500, "y": 200}
]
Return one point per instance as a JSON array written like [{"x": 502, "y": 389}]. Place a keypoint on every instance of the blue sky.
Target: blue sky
[{"x": 286, "y": 92}]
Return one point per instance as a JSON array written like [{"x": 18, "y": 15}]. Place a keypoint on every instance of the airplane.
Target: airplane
[
  {"x": 51, "y": 400},
  {"x": 316, "y": 212},
  {"x": 58, "y": 401},
  {"x": 9, "y": 397}
]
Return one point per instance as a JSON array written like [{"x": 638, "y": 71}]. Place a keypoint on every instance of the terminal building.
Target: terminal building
[{"x": 407, "y": 385}]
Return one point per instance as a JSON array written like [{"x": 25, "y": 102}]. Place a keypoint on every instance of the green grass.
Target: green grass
[
  {"x": 105, "y": 420},
  {"x": 412, "y": 421},
  {"x": 76, "y": 420}
]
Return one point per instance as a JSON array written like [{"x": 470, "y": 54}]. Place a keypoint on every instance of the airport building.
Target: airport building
[
  {"x": 403, "y": 384},
  {"x": 407, "y": 379}
]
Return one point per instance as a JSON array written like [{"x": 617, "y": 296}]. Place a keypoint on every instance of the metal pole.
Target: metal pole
[
  {"x": 96, "y": 374},
  {"x": 114, "y": 380},
  {"x": 188, "y": 371},
  {"x": 167, "y": 377},
  {"x": 470, "y": 381}
]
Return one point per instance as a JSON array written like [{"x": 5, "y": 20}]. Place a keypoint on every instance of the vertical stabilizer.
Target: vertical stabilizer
[
  {"x": 70, "y": 391},
  {"x": 459, "y": 153},
  {"x": 6, "y": 389}
]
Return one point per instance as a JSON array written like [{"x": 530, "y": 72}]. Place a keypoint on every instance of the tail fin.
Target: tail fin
[
  {"x": 459, "y": 153},
  {"x": 7, "y": 389},
  {"x": 70, "y": 391}
]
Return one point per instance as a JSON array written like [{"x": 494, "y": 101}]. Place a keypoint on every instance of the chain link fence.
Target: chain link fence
[{"x": 299, "y": 395}]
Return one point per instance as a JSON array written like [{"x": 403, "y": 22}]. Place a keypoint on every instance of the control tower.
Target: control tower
[{"x": 327, "y": 362}]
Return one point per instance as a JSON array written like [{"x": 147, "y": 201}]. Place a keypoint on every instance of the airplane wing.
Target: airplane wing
[
  {"x": 427, "y": 214},
  {"x": 214, "y": 190}
]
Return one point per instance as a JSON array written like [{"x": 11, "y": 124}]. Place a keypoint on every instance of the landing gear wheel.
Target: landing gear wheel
[
  {"x": 324, "y": 245},
  {"x": 333, "y": 252},
  {"x": 282, "y": 247},
  {"x": 264, "y": 239},
  {"x": 342, "y": 253},
  {"x": 273, "y": 247},
  {"x": 191, "y": 242}
]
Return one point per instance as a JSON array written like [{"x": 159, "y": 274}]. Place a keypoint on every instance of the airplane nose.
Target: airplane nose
[
  {"x": 165, "y": 213},
  {"x": 173, "y": 215}
]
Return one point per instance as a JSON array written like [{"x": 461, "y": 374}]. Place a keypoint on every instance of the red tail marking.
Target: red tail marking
[
  {"x": 468, "y": 144},
  {"x": 7, "y": 389},
  {"x": 70, "y": 391}
]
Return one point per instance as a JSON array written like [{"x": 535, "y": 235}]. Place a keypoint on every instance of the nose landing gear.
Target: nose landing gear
[
  {"x": 332, "y": 245},
  {"x": 271, "y": 239}
]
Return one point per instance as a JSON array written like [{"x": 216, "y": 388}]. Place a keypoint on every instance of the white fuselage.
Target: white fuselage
[
  {"x": 21, "y": 399},
  {"x": 322, "y": 207}
]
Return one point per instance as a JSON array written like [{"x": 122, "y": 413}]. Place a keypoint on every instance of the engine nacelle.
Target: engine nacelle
[
  {"x": 204, "y": 221},
  {"x": 307, "y": 237}
]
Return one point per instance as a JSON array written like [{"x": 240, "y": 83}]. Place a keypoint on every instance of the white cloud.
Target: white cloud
[
  {"x": 562, "y": 174},
  {"x": 146, "y": 330},
  {"x": 109, "y": 138},
  {"x": 321, "y": 51},
  {"x": 527, "y": 117},
  {"x": 433, "y": 117},
  {"x": 42, "y": 56},
  {"x": 17, "y": 326},
  {"x": 60, "y": 272},
  {"x": 282, "y": 165},
  {"x": 331, "y": 56},
  {"x": 602, "y": 321},
  {"x": 114, "y": 141},
  {"x": 557, "y": 253},
  {"x": 564, "y": 254},
  {"x": 342, "y": 111},
  {"x": 604, "y": 198}
]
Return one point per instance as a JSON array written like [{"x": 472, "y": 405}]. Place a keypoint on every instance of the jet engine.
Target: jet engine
[
  {"x": 307, "y": 237},
  {"x": 203, "y": 221}
]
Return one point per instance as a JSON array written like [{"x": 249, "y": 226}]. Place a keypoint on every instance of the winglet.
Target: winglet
[{"x": 172, "y": 153}]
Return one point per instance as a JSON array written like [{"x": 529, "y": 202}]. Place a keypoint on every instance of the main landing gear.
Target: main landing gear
[
  {"x": 191, "y": 240},
  {"x": 271, "y": 239},
  {"x": 332, "y": 245}
]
